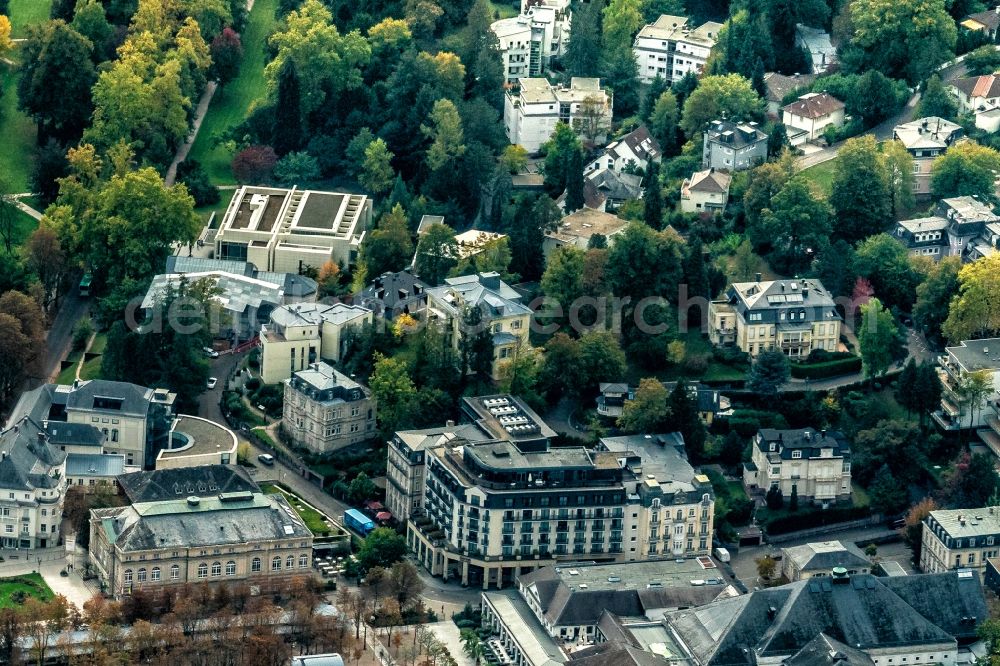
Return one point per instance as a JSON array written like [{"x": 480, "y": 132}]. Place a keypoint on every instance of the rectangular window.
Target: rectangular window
[{"x": 796, "y": 454}]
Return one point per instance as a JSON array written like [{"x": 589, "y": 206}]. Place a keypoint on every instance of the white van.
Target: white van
[
  {"x": 722, "y": 555},
  {"x": 266, "y": 458}
]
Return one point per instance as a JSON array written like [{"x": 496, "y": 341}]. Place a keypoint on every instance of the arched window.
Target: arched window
[
  {"x": 142, "y": 575},
  {"x": 303, "y": 561},
  {"x": 128, "y": 576},
  {"x": 202, "y": 570},
  {"x": 290, "y": 562},
  {"x": 154, "y": 574},
  {"x": 216, "y": 568},
  {"x": 175, "y": 572},
  {"x": 230, "y": 568},
  {"x": 276, "y": 564},
  {"x": 255, "y": 565}
]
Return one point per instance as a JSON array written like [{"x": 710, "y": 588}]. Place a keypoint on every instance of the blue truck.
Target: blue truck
[{"x": 358, "y": 522}]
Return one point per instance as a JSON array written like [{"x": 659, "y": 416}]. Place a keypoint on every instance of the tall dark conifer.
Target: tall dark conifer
[
  {"x": 574, "y": 181},
  {"x": 287, "y": 134}
]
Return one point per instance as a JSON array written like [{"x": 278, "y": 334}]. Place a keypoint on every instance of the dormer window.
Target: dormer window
[
  {"x": 773, "y": 447},
  {"x": 796, "y": 454}
]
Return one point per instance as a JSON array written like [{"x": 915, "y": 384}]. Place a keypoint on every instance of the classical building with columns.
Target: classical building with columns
[{"x": 496, "y": 509}]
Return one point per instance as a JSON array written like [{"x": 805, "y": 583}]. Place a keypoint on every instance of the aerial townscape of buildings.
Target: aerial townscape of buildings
[{"x": 545, "y": 333}]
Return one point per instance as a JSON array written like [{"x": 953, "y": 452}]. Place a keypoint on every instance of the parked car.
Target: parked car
[
  {"x": 266, "y": 458},
  {"x": 209, "y": 352},
  {"x": 212, "y": 381}
]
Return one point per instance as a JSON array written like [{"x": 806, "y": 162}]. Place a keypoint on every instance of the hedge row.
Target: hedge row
[
  {"x": 804, "y": 520},
  {"x": 844, "y": 366}
]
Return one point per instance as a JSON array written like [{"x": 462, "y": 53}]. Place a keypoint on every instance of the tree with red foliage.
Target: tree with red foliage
[
  {"x": 227, "y": 54},
  {"x": 254, "y": 164}
]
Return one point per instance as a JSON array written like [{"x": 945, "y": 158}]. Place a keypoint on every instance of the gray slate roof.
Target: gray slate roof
[
  {"x": 866, "y": 612},
  {"x": 28, "y": 459},
  {"x": 826, "y": 651},
  {"x": 173, "y": 484},
  {"x": 212, "y": 522},
  {"x": 807, "y": 440},
  {"x": 94, "y": 464},
  {"x": 135, "y": 398},
  {"x": 823, "y": 556},
  {"x": 62, "y": 433}
]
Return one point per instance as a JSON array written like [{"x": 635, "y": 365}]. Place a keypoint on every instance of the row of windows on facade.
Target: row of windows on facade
[
  {"x": 579, "y": 548},
  {"x": 329, "y": 413},
  {"x": 218, "y": 551},
  {"x": 9, "y": 529},
  {"x": 216, "y": 569}
]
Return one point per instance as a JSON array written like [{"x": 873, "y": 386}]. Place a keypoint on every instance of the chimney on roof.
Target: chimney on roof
[
  {"x": 41, "y": 437},
  {"x": 772, "y": 612},
  {"x": 76, "y": 383},
  {"x": 757, "y": 277},
  {"x": 840, "y": 576}
]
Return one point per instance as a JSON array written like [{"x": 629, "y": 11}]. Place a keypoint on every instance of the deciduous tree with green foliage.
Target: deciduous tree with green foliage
[
  {"x": 885, "y": 262},
  {"x": 388, "y": 247},
  {"x": 383, "y": 547},
  {"x": 860, "y": 195},
  {"x": 887, "y": 495},
  {"x": 728, "y": 96},
  {"x": 56, "y": 80},
  {"x": 647, "y": 412},
  {"x": 903, "y": 39},
  {"x": 936, "y": 101},
  {"x": 878, "y": 338},
  {"x": 444, "y": 129},
  {"x": 663, "y": 122},
  {"x": 377, "y": 174},
  {"x": 558, "y": 153},
  {"x": 393, "y": 388},
  {"x": 436, "y": 255},
  {"x": 326, "y": 61},
  {"x": 971, "y": 481},
  {"x": 652, "y": 200},
  {"x": 965, "y": 169},
  {"x": 563, "y": 277},
  {"x": 975, "y": 311},
  {"x": 934, "y": 296},
  {"x": 287, "y": 134},
  {"x": 601, "y": 359}
]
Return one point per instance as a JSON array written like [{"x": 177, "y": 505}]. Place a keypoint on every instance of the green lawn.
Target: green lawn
[
  {"x": 91, "y": 369},
  {"x": 99, "y": 345},
  {"x": 821, "y": 175},
  {"x": 503, "y": 9},
  {"x": 230, "y": 104},
  {"x": 18, "y": 132},
  {"x": 25, "y": 225},
  {"x": 31, "y": 585},
  {"x": 25, "y": 12},
  {"x": 312, "y": 518},
  {"x": 67, "y": 376}
]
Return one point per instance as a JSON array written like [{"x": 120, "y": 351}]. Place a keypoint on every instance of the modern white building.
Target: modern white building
[
  {"x": 954, "y": 367},
  {"x": 530, "y": 41},
  {"x": 534, "y": 106},
  {"x": 285, "y": 231},
  {"x": 670, "y": 48},
  {"x": 304, "y": 333}
]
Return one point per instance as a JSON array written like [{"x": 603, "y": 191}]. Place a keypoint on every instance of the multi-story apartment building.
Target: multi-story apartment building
[
  {"x": 406, "y": 466},
  {"x": 728, "y": 146},
  {"x": 495, "y": 509},
  {"x": 285, "y": 231},
  {"x": 533, "y": 106},
  {"x": 954, "y": 367},
  {"x": 926, "y": 139},
  {"x": 500, "y": 305},
  {"x": 301, "y": 334},
  {"x": 670, "y": 48},
  {"x": 963, "y": 227},
  {"x": 32, "y": 487},
  {"x": 959, "y": 539},
  {"x": 795, "y": 316},
  {"x": 325, "y": 410},
  {"x": 134, "y": 420},
  {"x": 530, "y": 41},
  {"x": 814, "y": 465},
  {"x": 213, "y": 537}
]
